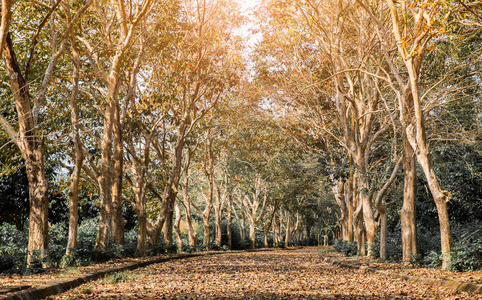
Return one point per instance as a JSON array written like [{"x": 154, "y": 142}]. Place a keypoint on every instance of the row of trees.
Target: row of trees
[
  {"x": 154, "y": 105},
  {"x": 355, "y": 74},
  {"x": 146, "y": 103}
]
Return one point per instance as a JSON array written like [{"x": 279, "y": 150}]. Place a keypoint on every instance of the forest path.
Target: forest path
[{"x": 297, "y": 274}]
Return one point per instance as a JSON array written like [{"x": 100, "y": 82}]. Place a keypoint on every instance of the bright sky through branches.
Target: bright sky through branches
[
  {"x": 247, "y": 7},
  {"x": 248, "y": 4}
]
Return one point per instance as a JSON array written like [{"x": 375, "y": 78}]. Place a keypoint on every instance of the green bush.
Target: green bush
[
  {"x": 13, "y": 249},
  {"x": 345, "y": 248},
  {"x": 433, "y": 260},
  {"x": 57, "y": 242},
  {"x": 172, "y": 248},
  {"x": 188, "y": 249},
  {"x": 281, "y": 244},
  {"x": 38, "y": 264},
  {"x": 214, "y": 247},
  {"x": 467, "y": 255}
]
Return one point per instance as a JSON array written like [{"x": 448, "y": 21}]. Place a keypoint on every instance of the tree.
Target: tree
[
  {"x": 412, "y": 41},
  {"x": 28, "y": 137},
  {"x": 198, "y": 77},
  {"x": 346, "y": 55},
  {"x": 118, "y": 37}
]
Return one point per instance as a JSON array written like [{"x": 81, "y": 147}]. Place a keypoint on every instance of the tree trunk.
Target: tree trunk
[
  {"x": 75, "y": 177},
  {"x": 242, "y": 231},
  {"x": 74, "y": 206},
  {"x": 408, "y": 211},
  {"x": 218, "y": 215},
  {"x": 359, "y": 230},
  {"x": 206, "y": 231},
  {"x": 275, "y": 232},
  {"x": 229, "y": 223},
  {"x": 39, "y": 208},
  {"x": 31, "y": 147},
  {"x": 168, "y": 225},
  {"x": 117, "y": 221},
  {"x": 370, "y": 225},
  {"x": 170, "y": 191},
  {"x": 252, "y": 233},
  {"x": 154, "y": 229},
  {"x": 266, "y": 231},
  {"x": 142, "y": 231},
  {"x": 288, "y": 230},
  {"x": 218, "y": 228},
  {"x": 351, "y": 206},
  {"x": 383, "y": 234},
  {"x": 192, "y": 235},
  {"x": 177, "y": 224},
  {"x": 105, "y": 180},
  {"x": 338, "y": 188}
]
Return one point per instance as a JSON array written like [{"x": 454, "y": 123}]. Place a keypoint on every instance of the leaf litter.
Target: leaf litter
[{"x": 299, "y": 274}]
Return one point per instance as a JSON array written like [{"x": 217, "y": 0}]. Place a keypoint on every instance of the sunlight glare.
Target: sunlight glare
[{"x": 249, "y": 4}]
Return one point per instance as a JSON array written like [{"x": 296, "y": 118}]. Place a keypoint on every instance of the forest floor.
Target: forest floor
[{"x": 280, "y": 274}]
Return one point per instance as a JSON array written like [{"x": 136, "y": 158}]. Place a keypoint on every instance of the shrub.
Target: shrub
[
  {"x": 38, "y": 264},
  {"x": 130, "y": 245},
  {"x": 172, "y": 248},
  {"x": 214, "y": 247},
  {"x": 57, "y": 243},
  {"x": 345, "y": 248},
  {"x": 467, "y": 256},
  {"x": 202, "y": 248},
  {"x": 13, "y": 250},
  {"x": 188, "y": 249},
  {"x": 433, "y": 260},
  {"x": 156, "y": 250}
]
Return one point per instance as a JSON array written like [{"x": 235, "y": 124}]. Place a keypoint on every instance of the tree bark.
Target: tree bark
[
  {"x": 168, "y": 225},
  {"x": 252, "y": 233},
  {"x": 206, "y": 229},
  {"x": 31, "y": 147},
  {"x": 338, "y": 188},
  {"x": 6, "y": 13},
  {"x": 383, "y": 234},
  {"x": 142, "y": 231},
  {"x": 359, "y": 229},
  {"x": 192, "y": 236},
  {"x": 350, "y": 207},
  {"x": 288, "y": 235},
  {"x": 105, "y": 181},
  {"x": 229, "y": 222},
  {"x": 408, "y": 211},
  {"x": 220, "y": 201},
  {"x": 75, "y": 177},
  {"x": 170, "y": 191},
  {"x": 118, "y": 172},
  {"x": 177, "y": 226}
]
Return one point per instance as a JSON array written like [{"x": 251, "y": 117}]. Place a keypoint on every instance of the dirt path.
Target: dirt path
[{"x": 300, "y": 274}]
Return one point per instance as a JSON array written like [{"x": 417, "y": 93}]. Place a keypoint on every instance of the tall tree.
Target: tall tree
[
  {"x": 118, "y": 34},
  {"x": 413, "y": 25},
  {"x": 26, "y": 133}
]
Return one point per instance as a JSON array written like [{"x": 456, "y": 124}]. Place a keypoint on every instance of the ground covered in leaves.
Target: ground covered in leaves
[
  {"x": 281, "y": 274},
  {"x": 409, "y": 269}
]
